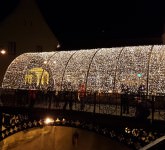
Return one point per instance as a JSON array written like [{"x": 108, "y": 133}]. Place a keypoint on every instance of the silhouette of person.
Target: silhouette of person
[
  {"x": 125, "y": 99},
  {"x": 81, "y": 95},
  {"x": 75, "y": 137}
]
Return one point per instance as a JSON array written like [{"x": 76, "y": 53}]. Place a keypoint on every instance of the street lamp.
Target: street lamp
[
  {"x": 48, "y": 121},
  {"x": 3, "y": 52}
]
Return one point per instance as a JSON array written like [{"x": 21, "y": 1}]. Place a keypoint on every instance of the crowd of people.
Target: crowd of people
[
  {"x": 142, "y": 104},
  {"x": 48, "y": 97}
]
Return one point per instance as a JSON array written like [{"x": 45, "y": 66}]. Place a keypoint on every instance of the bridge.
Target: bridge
[
  {"x": 102, "y": 114},
  {"x": 115, "y": 92}
]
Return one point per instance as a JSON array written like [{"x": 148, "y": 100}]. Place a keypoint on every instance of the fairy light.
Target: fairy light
[{"x": 109, "y": 69}]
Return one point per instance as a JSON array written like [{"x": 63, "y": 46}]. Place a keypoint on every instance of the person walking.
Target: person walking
[{"x": 75, "y": 138}]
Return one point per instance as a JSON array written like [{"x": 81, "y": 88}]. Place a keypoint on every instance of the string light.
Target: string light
[{"x": 103, "y": 70}]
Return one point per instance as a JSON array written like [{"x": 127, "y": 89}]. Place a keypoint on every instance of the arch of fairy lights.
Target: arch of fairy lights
[{"x": 102, "y": 69}]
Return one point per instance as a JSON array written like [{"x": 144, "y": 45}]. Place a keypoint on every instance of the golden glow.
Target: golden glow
[
  {"x": 63, "y": 120},
  {"x": 45, "y": 62},
  {"x": 48, "y": 121},
  {"x": 57, "y": 120},
  {"x": 3, "y": 52},
  {"x": 102, "y": 69},
  {"x": 37, "y": 76}
]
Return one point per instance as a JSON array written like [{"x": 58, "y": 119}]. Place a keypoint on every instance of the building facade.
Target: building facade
[{"x": 24, "y": 30}]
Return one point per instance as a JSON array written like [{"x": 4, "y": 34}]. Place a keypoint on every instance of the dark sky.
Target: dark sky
[{"x": 86, "y": 23}]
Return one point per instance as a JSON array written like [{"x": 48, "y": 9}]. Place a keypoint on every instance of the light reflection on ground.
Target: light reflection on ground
[{"x": 59, "y": 138}]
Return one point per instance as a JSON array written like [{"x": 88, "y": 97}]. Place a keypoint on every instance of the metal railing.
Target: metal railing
[{"x": 131, "y": 105}]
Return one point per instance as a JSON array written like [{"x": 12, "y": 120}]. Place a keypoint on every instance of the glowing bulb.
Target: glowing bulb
[
  {"x": 3, "y": 52},
  {"x": 48, "y": 121},
  {"x": 57, "y": 120},
  {"x": 45, "y": 62}
]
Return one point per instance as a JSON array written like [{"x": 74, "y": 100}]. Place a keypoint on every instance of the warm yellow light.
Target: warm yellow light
[
  {"x": 57, "y": 120},
  {"x": 3, "y": 52},
  {"x": 48, "y": 121},
  {"x": 45, "y": 62},
  {"x": 63, "y": 120},
  {"x": 38, "y": 76}
]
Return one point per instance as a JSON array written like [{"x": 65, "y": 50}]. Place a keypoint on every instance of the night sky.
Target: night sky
[{"x": 89, "y": 24}]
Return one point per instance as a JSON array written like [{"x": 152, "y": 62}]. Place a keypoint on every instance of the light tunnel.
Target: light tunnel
[{"x": 101, "y": 69}]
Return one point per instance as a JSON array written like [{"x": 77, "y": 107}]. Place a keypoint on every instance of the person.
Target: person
[
  {"x": 65, "y": 98},
  {"x": 81, "y": 95},
  {"x": 125, "y": 100},
  {"x": 56, "y": 99},
  {"x": 142, "y": 110},
  {"x": 32, "y": 97},
  {"x": 0, "y": 97},
  {"x": 49, "y": 96},
  {"x": 75, "y": 137}
]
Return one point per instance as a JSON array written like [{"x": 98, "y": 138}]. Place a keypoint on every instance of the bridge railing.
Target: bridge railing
[
  {"x": 134, "y": 138},
  {"x": 131, "y": 105}
]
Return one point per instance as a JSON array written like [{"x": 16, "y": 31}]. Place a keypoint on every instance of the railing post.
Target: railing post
[
  {"x": 94, "y": 109},
  {"x": 0, "y": 124},
  {"x": 121, "y": 105},
  {"x": 152, "y": 107}
]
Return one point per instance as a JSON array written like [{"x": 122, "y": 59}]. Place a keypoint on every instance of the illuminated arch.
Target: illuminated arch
[
  {"x": 38, "y": 76},
  {"x": 105, "y": 69}
]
